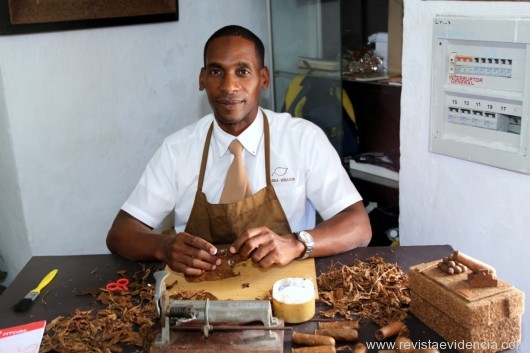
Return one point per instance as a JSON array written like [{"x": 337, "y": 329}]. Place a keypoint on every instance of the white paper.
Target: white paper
[{"x": 23, "y": 339}]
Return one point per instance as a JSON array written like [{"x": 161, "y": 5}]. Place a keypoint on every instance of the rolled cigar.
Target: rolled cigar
[
  {"x": 339, "y": 324},
  {"x": 404, "y": 331},
  {"x": 339, "y": 334},
  {"x": 360, "y": 348},
  {"x": 444, "y": 267},
  {"x": 389, "y": 330},
  {"x": 315, "y": 349},
  {"x": 307, "y": 339},
  {"x": 473, "y": 264},
  {"x": 404, "y": 345}
]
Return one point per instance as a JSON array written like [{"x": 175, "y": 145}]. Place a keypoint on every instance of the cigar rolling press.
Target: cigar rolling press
[{"x": 214, "y": 325}]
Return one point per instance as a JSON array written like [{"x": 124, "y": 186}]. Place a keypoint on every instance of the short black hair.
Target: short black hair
[{"x": 239, "y": 31}]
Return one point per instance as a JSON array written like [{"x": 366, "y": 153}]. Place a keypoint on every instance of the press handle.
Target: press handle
[{"x": 160, "y": 288}]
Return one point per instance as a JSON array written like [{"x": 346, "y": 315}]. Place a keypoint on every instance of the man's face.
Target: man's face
[{"x": 233, "y": 78}]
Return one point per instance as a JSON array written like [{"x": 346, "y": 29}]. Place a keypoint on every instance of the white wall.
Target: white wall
[
  {"x": 480, "y": 210},
  {"x": 81, "y": 113}
]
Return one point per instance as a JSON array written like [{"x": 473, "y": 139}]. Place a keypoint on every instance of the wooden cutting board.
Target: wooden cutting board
[{"x": 252, "y": 283}]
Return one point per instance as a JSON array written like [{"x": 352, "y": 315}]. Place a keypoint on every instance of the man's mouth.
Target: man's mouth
[{"x": 230, "y": 104}]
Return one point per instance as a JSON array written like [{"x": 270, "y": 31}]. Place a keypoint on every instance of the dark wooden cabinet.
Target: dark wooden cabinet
[{"x": 377, "y": 111}]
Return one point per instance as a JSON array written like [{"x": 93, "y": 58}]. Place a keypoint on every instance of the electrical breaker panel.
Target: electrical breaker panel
[{"x": 481, "y": 90}]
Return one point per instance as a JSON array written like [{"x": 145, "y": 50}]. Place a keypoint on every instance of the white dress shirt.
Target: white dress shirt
[{"x": 306, "y": 171}]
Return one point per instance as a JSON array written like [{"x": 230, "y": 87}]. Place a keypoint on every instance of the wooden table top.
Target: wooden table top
[{"x": 81, "y": 272}]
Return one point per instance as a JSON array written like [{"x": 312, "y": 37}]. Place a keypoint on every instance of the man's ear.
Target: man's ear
[
  {"x": 265, "y": 77},
  {"x": 201, "y": 79}
]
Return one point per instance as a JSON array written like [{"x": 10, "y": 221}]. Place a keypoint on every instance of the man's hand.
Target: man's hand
[
  {"x": 183, "y": 253},
  {"x": 348, "y": 229},
  {"x": 267, "y": 248},
  {"x": 190, "y": 255}
]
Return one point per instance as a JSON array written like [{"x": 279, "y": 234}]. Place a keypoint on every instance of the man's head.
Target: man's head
[
  {"x": 233, "y": 76},
  {"x": 238, "y": 31}
]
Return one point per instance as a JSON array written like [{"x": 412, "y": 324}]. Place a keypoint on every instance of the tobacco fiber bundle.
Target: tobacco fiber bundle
[{"x": 373, "y": 290}]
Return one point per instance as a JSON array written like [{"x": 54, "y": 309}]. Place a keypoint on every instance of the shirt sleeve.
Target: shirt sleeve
[
  {"x": 329, "y": 187},
  {"x": 154, "y": 196}
]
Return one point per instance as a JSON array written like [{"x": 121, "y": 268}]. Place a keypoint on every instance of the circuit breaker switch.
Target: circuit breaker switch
[{"x": 452, "y": 63}]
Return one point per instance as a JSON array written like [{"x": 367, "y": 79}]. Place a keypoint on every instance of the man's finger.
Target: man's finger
[
  {"x": 198, "y": 243},
  {"x": 243, "y": 239},
  {"x": 188, "y": 264},
  {"x": 264, "y": 261}
]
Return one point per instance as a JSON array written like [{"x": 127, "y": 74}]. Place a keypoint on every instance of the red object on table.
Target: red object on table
[{"x": 119, "y": 285}]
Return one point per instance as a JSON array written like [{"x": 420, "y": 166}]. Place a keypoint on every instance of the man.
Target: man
[{"x": 291, "y": 166}]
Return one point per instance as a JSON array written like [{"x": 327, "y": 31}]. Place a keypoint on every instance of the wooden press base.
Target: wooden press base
[{"x": 226, "y": 342}]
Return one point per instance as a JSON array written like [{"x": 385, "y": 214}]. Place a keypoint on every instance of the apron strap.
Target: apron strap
[
  {"x": 207, "y": 147},
  {"x": 204, "y": 157},
  {"x": 267, "y": 149}
]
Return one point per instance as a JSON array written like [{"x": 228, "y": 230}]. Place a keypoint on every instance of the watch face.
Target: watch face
[{"x": 306, "y": 238}]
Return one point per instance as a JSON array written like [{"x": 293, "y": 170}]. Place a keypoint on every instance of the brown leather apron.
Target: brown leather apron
[{"x": 223, "y": 223}]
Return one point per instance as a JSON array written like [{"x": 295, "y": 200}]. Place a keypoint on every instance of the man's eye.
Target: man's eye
[
  {"x": 244, "y": 72},
  {"x": 215, "y": 72}
]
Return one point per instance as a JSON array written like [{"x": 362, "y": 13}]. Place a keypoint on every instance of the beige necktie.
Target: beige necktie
[{"x": 236, "y": 185}]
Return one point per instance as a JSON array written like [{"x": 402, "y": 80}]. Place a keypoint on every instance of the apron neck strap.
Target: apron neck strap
[
  {"x": 266, "y": 135},
  {"x": 207, "y": 147},
  {"x": 205, "y": 157}
]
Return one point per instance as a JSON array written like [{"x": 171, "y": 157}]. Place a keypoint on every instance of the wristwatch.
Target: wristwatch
[{"x": 306, "y": 239}]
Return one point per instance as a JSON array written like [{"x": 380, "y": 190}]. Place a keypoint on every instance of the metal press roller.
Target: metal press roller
[{"x": 248, "y": 323}]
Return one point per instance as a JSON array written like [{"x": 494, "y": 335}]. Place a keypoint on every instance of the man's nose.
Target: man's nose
[{"x": 230, "y": 83}]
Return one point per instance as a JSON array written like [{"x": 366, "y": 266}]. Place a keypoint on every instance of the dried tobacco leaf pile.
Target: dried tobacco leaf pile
[
  {"x": 373, "y": 290},
  {"x": 128, "y": 318}
]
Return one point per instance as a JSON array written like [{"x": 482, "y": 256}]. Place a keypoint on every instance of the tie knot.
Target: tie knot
[{"x": 235, "y": 147}]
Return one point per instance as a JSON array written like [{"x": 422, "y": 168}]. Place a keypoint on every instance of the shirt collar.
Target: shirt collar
[{"x": 249, "y": 138}]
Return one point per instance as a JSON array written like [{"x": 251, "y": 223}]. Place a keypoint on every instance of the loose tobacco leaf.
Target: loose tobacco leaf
[
  {"x": 224, "y": 270},
  {"x": 373, "y": 290},
  {"x": 193, "y": 295},
  {"x": 126, "y": 318},
  {"x": 266, "y": 296}
]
